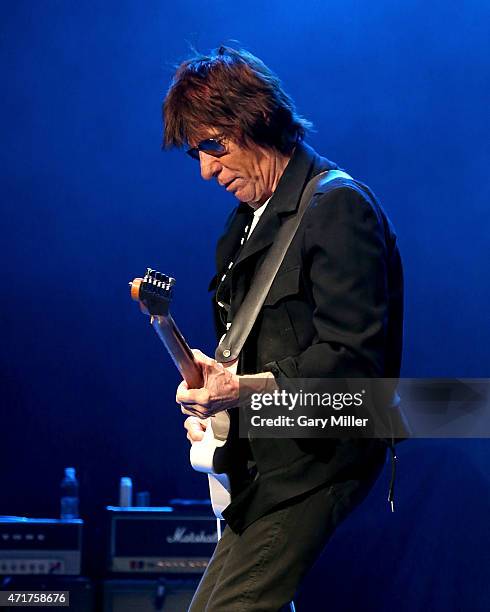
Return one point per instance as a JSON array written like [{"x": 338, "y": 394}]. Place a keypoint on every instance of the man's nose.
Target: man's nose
[{"x": 210, "y": 166}]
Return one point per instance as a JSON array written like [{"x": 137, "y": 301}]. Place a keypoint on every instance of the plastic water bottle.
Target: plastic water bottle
[
  {"x": 69, "y": 495},
  {"x": 125, "y": 492}
]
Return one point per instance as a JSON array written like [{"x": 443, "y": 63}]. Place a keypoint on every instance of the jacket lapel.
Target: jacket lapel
[
  {"x": 304, "y": 164},
  {"x": 284, "y": 201}
]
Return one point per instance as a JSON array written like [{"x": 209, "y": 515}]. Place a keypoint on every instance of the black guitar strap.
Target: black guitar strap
[{"x": 231, "y": 344}]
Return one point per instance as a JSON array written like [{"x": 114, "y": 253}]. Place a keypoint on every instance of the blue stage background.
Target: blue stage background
[{"x": 398, "y": 93}]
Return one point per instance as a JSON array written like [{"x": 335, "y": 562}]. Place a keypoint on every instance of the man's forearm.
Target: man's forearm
[{"x": 248, "y": 384}]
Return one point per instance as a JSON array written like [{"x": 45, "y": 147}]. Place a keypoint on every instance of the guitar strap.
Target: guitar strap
[{"x": 231, "y": 344}]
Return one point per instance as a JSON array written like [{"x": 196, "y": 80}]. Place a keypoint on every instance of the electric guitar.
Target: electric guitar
[{"x": 211, "y": 454}]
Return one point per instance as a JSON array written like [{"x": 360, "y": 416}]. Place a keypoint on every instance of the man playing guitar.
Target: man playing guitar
[{"x": 334, "y": 310}]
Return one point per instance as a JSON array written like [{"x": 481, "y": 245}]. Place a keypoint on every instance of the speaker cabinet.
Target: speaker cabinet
[{"x": 168, "y": 595}]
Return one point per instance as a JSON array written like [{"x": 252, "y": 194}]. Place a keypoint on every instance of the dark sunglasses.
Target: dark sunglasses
[{"x": 210, "y": 146}]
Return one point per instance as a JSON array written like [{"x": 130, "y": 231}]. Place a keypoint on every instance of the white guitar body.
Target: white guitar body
[{"x": 205, "y": 457}]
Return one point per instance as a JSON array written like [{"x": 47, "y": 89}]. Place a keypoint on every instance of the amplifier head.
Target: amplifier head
[{"x": 160, "y": 540}]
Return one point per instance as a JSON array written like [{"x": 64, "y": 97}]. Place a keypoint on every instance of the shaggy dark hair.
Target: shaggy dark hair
[{"x": 233, "y": 92}]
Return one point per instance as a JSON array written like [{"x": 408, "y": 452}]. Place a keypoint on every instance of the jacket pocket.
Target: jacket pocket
[{"x": 285, "y": 284}]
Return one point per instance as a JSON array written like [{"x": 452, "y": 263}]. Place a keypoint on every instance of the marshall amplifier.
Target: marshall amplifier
[
  {"x": 40, "y": 546},
  {"x": 151, "y": 540}
]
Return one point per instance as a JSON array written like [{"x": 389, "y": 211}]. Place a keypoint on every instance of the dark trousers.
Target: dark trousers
[{"x": 261, "y": 569}]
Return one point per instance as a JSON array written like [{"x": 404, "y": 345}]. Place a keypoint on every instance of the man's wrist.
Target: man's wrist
[{"x": 264, "y": 382}]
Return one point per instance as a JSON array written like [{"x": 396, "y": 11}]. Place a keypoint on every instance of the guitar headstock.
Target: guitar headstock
[{"x": 153, "y": 291}]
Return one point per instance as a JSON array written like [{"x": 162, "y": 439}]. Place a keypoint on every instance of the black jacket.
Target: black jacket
[{"x": 335, "y": 309}]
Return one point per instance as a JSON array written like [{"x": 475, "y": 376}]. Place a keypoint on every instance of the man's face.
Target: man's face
[{"x": 246, "y": 172}]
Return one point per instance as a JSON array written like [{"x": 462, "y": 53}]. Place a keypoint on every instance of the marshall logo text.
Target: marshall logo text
[{"x": 182, "y": 536}]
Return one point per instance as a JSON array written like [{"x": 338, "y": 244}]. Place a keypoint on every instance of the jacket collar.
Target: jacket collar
[{"x": 303, "y": 165}]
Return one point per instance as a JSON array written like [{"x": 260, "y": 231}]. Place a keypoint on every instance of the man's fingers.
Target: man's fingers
[
  {"x": 196, "y": 424},
  {"x": 192, "y": 397},
  {"x": 181, "y": 390},
  {"x": 200, "y": 357},
  {"x": 190, "y": 411},
  {"x": 195, "y": 411},
  {"x": 195, "y": 428}
]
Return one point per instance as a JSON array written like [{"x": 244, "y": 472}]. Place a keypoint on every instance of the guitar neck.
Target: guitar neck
[{"x": 178, "y": 349}]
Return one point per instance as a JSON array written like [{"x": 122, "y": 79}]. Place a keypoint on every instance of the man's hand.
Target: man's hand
[
  {"x": 220, "y": 390},
  {"x": 195, "y": 428}
]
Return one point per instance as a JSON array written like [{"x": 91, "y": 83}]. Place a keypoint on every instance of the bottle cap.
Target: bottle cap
[{"x": 70, "y": 472}]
